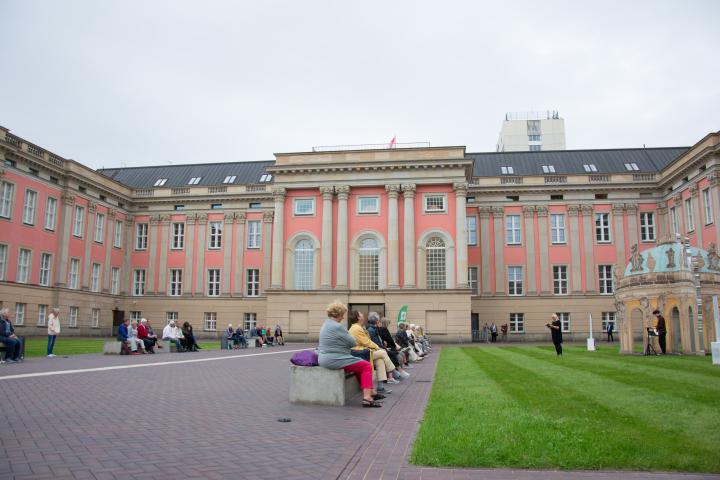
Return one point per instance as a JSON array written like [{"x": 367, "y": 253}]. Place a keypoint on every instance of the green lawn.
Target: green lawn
[
  {"x": 522, "y": 407},
  {"x": 37, "y": 347}
]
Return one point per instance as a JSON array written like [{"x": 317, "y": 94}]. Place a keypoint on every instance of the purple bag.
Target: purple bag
[{"x": 306, "y": 358}]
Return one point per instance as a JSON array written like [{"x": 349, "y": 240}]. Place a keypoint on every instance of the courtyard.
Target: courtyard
[{"x": 214, "y": 414}]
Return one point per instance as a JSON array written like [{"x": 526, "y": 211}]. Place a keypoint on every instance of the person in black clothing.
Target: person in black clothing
[
  {"x": 610, "y": 328},
  {"x": 191, "y": 344},
  {"x": 8, "y": 337},
  {"x": 556, "y": 331},
  {"x": 390, "y": 344},
  {"x": 661, "y": 330}
]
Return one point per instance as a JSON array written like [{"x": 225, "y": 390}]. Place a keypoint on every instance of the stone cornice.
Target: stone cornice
[{"x": 355, "y": 167}]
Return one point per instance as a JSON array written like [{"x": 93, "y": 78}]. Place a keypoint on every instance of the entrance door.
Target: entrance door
[
  {"x": 118, "y": 317},
  {"x": 676, "y": 335},
  {"x": 475, "y": 326},
  {"x": 366, "y": 308}
]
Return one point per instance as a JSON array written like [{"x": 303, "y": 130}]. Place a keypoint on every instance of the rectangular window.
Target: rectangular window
[
  {"x": 50, "y": 213},
  {"x": 176, "y": 278},
  {"x": 602, "y": 227},
  {"x": 564, "y": 320},
  {"x": 171, "y": 317},
  {"x": 23, "y": 266},
  {"x": 473, "y": 280},
  {"x": 517, "y": 323},
  {"x": 3, "y": 260},
  {"x": 210, "y": 321},
  {"x": 78, "y": 221},
  {"x": 632, "y": 167},
  {"x": 215, "y": 241},
  {"x": 515, "y": 281},
  {"x": 215, "y": 206},
  {"x": 115, "y": 280},
  {"x": 605, "y": 277},
  {"x": 434, "y": 203},
  {"x": 507, "y": 170},
  {"x": 73, "y": 317},
  {"x": 137, "y": 316},
  {"x": 534, "y": 138},
  {"x": 535, "y": 148},
  {"x": 253, "y": 282},
  {"x": 95, "y": 281},
  {"x": 368, "y": 205},
  {"x": 557, "y": 228},
  {"x": 548, "y": 168},
  {"x": 29, "y": 207},
  {"x": 534, "y": 127},
  {"x": 117, "y": 239},
  {"x": 690, "y": 214},
  {"x": 141, "y": 236},
  {"x": 304, "y": 206},
  {"x": 254, "y": 235},
  {"x": 249, "y": 320},
  {"x": 160, "y": 182},
  {"x": 560, "y": 280},
  {"x": 42, "y": 313},
  {"x": 590, "y": 167},
  {"x": 19, "y": 314},
  {"x": 7, "y": 193},
  {"x": 139, "y": 283},
  {"x": 99, "y": 227},
  {"x": 194, "y": 180},
  {"x": 608, "y": 317},
  {"x": 647, "y": 227},
  {"x": 45, "y": 269},
  {"x": 471, "y": 223},
  {"x": 74, "y": 274},
  {"x": 178, "y": 236},
  {"x": 230, "y": 179},
  {"x": 512, "y": 229},
  {"x": 95, "y": 318},
  {"x": 674, "y": 220},
  {"x": 213, "y": 279},
  {"x": 707, "y": 206}
]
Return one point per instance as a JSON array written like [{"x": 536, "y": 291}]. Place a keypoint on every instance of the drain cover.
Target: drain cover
[{"x": 284, "y": 419}]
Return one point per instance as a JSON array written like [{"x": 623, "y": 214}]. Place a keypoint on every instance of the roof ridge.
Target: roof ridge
[
  {"x": 185, "y": 165},
  {"x": 580, "y": 150}
]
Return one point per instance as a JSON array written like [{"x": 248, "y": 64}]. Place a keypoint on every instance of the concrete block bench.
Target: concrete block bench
[
  {"x": 113, "y": 347},
  {"x": 167, "y": 347},
  {"x": 321, "y": 386}
]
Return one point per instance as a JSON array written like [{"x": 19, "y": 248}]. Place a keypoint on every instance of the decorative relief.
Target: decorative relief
[
  {"x": 618, "y": 208},
  {"x": 268, "y": 216},
  {"x": 651, "y": 262},
  {"x": 631, "y": 208},
  {"x": 699, "y": 262},
  {"x": 460, "y": 188},
  {"x": 620, "y": 312},
  {"x": 191, "y": 218},
  {"x": 636, "y": 260},
  {"x": 660, "y": 304},
  {"x": 408, "y": 190},
  {"x": 129, "y": 219},
  {"x": 68, "y": 199},
  {"x": 498, "y": 212},
  {"x": 484, "y": 212},
  {"x": 542, "y": 211},
  {"x": 671, "y": 257},
  {"x": 617, "y": 274},
  {"x": 661, "y": 207},
  {"x": 677, "y": 200},
  {"x": 279, "y": 193},
  {"x": 573, "y": 209},
  {"x": 694, "y": 189},
  {"x": 327, "y": 192},
  {"x": 155, "y": 219},
  {"x": 92, "y": 206},
  {"x": 714, "y": 178},
  {"x": 201, "y": 218},
  {"x": 111, "y": 213},
  {"x": 2, "y": 172},
  {"x": 229, "y": 217},
  {"x": 343, "y": 191},
  {"x": 713, "y": 259},
  {"x": 586, "y": 210},
  {"x": 240, "y": 217},
  {"x": 392, "y": 190},
  {"x": 164, "y": 219}
]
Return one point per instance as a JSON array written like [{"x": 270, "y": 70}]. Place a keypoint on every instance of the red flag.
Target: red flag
[{"x": 393, "y": 142}]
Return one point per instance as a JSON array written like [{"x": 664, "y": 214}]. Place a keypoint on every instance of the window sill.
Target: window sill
[
  {"x": 50, "y": 230},
  {"x": 435, "y": 212},
  {"x": 558, "y": 243}
]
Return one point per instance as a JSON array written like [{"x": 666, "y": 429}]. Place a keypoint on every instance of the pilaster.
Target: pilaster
[
  {"x": 68, "y": 202},
  {"x": 326, "y": 241},
  {"x": 267, "y": 223},
  {"x": 529, "y": 227},
  {"x": 588, "y": 234},
  {"x": 485, "y": 266},
  {"x": 461, "y": 252},
  {"x": 408, "y": 190},
  {"x": 542, "y": 214},
  {"x": 574, "y": 240},
  {"x": 278, "y": 237},
  {"x": 227, "y": 246},
  {"x": 190, "y": 221},
  {"x": 88, "y": 238},
  {"x": 239, "y": 246},
  {"x": 499, "y": 230},
  {"x": 164, "y": 226},
  {"x": 343, "y": 192},
  {"x": 393, "y": 237}
]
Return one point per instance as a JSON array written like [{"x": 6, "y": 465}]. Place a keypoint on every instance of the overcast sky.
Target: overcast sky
[{"x": 126, "y": 83}]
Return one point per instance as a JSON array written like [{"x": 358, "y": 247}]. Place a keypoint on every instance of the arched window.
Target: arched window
[
  {"x": 304, "y": 264},
  {"x": 369, "y": 264},
  {"x": 435, "y": 263}
]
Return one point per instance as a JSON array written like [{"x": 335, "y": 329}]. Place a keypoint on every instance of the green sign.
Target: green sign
[{"x": 402, "y": 315}]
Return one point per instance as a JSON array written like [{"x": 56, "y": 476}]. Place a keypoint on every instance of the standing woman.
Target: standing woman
[
  {"x": 334, "y": 353},
  {"x": 53, "y": 330},
  {"x": 556, "y": 331}
]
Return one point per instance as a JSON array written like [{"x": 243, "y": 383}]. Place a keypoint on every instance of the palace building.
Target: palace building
[{"x": 459, "y": 238}]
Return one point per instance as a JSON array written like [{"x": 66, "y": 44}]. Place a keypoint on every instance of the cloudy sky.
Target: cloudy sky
[{"x": 127, "y": 82}]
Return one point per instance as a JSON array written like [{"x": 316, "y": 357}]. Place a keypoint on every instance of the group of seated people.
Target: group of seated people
[
  {"x": 368, "y": 346},
  {"x": 265, "y": 337},
  {"x": 140, "y": 338},
  {"x": 235, "y": 338}
]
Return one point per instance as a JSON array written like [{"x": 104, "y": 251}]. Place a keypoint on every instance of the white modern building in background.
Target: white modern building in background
[{"x": 532, "y": 131}]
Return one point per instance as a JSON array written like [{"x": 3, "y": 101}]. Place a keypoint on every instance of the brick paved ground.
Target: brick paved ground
[{"x": 214, "y": 418}]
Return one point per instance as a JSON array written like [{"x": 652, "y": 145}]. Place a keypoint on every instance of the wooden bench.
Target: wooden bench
[{"x": 322, "y": 386}]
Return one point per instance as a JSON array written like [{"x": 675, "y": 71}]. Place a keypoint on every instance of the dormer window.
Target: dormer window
[
  {"x": 266, "y": 177},
  {"x": 631, "y": 167},
  {"x": 548, "y": 168},
  {"x": 590, "y": 167},
  {"x": 230, "y": 179},
  {"x": 507, "y": 170},
  {"x": 160, "y": 182},
  {"x": 194, "y": 180}
]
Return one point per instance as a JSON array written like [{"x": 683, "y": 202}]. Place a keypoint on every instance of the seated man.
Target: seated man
[
  {"x": 152, "y": 336},
  {"x": 381, "y": 361},
  {"x": 142, "y": 333},
  {"x": 170, "y": 334},
  {"x": 122, "y": 336},
  {"x": 229, "y": 337},
  {"x": 12, "y": 343},
  {"x": 401, "y": 338},
  {"x": 240, "y": 337},
  {"x": 374, "y": 332}
]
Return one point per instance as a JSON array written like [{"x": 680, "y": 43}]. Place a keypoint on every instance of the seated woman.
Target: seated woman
[
  {"x": 190, "y": 342},
  {"x": 334, "y": 353},
  {"x": 229, "y": 336},
  {"x": 279, "y": 340},
  {"x": 240, "y": 340},
  {"x": 132, "y": 337}
]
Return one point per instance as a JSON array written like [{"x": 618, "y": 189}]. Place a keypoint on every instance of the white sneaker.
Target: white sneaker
[
  {"x": 51, "y": 355},
  {"x": 392, "y": 381},
  {"x": 405, "y": 374}
]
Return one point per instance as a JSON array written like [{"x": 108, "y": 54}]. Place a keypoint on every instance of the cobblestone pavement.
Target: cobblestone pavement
[{"x": 213, "y": 415}]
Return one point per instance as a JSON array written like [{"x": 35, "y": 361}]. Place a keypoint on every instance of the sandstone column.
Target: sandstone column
[
  {"x": 227, "y": 246},
  {"x": 189, "y": 252},
  {"x": 486, "y": 266},
  {"x": 529, "y": 227},
  {"x": 542, "y": 213},
  {"x": 89, "y": 239},
  {"x": 618, "y": 211},
  {"x": 698, "y": 214},
  {"x": 588, "y": 220},
  {"x": 326, "y": 241},
  {"x": 461, "y": 251},
  {"x": 278, "y": 237},
  {"x": 408, "y": 190},
  {"x": 126, "y": 286},
  {"x": 65, "y": 230},
  {"x": 109, "y": 226},
  {"x": 239, "y": 247},
  {"x": 393, "y": 237},
  {"x": 499, "y": 241},
  {"x": 152, "y": 257},
  {"x": 343, "y": 192},
  {"x": 268, "y": 218},
  {"x": 200, "y": 265},
  {"x": 574, "y": 240},
  {"x": 162, "y": 286}
]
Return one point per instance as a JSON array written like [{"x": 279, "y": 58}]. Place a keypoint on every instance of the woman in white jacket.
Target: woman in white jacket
[
  {"x": 135, "y": 343},
  {"x": 53, "y": 324}
]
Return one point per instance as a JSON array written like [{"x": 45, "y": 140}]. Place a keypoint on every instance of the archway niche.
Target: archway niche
[{"x": 675, "y": 331}]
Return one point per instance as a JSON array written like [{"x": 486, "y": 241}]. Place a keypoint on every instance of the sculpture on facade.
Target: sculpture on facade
[
  {"x": 651, "y": 262},
  {"x": 671, "y": 257},
  {"x": 713, "y": 259},
  {"x": 636, "y": 260}
]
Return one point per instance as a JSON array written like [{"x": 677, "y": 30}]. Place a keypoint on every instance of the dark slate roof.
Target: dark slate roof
[
  {"x": 180, "y": 175},
  {"x": 572, "y": 161}
]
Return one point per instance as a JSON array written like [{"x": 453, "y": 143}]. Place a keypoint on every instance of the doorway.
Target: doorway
[
  {"x": 366, "y": 308},
  {"x": 475, "y": 326},
  {"x": 676, "y": 335},
  {"x": 118, "y": 318}
]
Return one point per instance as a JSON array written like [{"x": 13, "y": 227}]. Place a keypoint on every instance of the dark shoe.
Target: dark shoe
[
  {"x": 378, "y": 396},
  {"x": 370, "y": 404}
]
